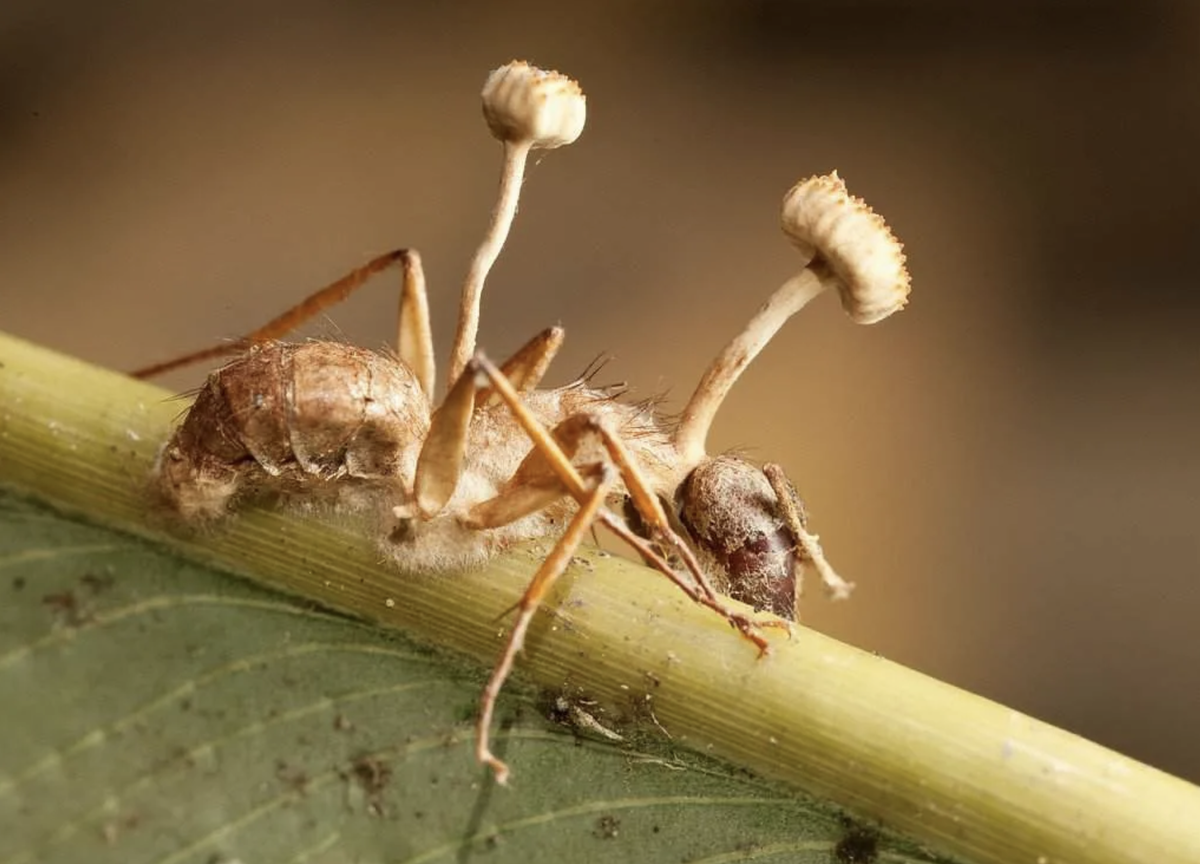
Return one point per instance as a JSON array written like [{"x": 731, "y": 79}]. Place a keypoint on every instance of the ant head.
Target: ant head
[{"x": 732, "y": 514}]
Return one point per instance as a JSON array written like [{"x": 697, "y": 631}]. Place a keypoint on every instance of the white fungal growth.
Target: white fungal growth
[
  {"x": 830, "y": 225},
  {"x": 524, "y": 103}
]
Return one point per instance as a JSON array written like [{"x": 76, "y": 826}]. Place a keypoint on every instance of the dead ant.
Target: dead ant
[{"x": 462, "y": 482}]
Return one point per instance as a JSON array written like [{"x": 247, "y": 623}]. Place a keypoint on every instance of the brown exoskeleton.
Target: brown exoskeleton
[{"x": 324, "y": 419}]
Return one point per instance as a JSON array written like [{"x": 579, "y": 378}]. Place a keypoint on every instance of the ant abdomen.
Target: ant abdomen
[
  {"x": 284, "y": 415},
  {"x": 734, "y": 518}
]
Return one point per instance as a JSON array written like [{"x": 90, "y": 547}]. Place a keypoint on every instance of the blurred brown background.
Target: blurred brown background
[{"x": 1009, "y": 469}]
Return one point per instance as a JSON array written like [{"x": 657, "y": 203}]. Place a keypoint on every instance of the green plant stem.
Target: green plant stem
[{"x": 958, "y": 773}]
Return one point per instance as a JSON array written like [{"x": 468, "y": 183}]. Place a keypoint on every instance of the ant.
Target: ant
[{"x": 461, "y": 482}]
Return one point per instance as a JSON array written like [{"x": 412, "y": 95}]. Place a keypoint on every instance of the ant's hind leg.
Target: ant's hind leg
[
  {"x": 415, "y": 343},
  {"x": 414, "y": 335}
]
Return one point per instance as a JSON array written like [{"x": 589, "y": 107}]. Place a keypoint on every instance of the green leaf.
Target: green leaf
[{"x": 159, "y": 711}]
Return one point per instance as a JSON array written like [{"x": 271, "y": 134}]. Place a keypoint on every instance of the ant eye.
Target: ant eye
[{"x": 730, "y": 511}]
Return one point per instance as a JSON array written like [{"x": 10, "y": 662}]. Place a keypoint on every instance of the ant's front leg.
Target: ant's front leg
[
  {"x": 549, "y": 472},
  {"x": 553, "y": 567},
  {"x": 808, "y": 545}
]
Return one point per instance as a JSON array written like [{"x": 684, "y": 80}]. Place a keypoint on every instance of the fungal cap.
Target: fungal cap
[
  {"x": 522, "y": 103},
  {"x": 835, "y": 228}
]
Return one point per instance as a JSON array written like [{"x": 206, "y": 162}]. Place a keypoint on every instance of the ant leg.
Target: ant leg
[
  {"x": 553, "y": 567},
  {"x": 414, "y": 334},
  {"x": 532, "y": 484},
  {"x": 440, "y": 462},
  {"x": 809, "y": 545},
  {"x": 535, "y": 485},
  {"x": 525, "y": 369},
  {"x": 415, "y": 344}
]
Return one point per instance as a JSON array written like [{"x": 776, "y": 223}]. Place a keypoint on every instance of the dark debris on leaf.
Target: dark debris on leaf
[
  {"x": 373, "y": 775},
  {"x": 607, "y": 827},
  {"x": 859, "y": 844}
]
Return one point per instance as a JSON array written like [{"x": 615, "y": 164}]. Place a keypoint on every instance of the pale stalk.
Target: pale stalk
[
  {"x": 516, "y": 155},
  {"x": 788, "y": 299}
]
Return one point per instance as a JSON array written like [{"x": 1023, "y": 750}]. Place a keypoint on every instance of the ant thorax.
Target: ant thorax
[
  {"x": 496, "y": 460},
  {"x": 497, "y": 449}
]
